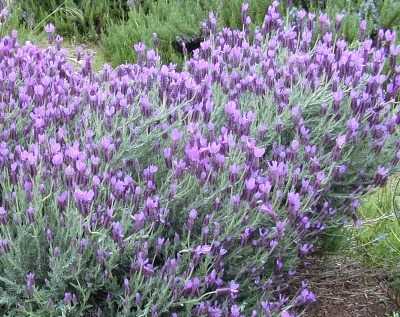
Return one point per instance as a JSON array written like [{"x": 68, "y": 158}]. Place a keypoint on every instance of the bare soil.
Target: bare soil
[{"x": 345, "y": 288}]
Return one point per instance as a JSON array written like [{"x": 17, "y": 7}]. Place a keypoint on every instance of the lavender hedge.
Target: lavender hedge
[{"x": 147, "y": 191}]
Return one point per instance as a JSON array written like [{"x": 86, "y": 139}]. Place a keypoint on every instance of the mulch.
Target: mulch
[{"x": 346, "y": 288}]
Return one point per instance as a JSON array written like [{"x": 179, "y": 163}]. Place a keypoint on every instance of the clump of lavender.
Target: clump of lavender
[{"x": 144, "y": 190}]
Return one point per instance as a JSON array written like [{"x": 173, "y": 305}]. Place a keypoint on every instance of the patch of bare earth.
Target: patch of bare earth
[{"x": 345, "y": 288}]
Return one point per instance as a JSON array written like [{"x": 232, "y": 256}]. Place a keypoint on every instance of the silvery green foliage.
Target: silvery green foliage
[
  {"x": 369, "y": 11},
  {"x": 144, "y": 190}
]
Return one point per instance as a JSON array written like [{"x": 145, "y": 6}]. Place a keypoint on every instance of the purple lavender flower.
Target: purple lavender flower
[
  {"x": 305, "y": 297},
  {"x": 30, "y": 214},
  {"x": 381, "y": 176},
  {"x": 67, "y": 298},
  {"x": 4, "y": 246},
  {"x": 139, "y": 220},
  {"x": 192, "y": 286},
  {"x": 191, "y": 219},
  {"x": 294, "y": 203},
  {"x": 30, "y": 283},
  {"x": 352, "y": 126},
  {"x": 117, "y": 232},
  {"x": 138, "y": 299},
  {"x": 268, "y": 209},
  {"x": 49, "y": 28},
  {"x": 83, "y": 245},
  {"x": 57, "y": 159},
  {"x": 235, "y": 311},
  {"x": 234, "y": 173},
  {"x": 127, "y": 288},
  {"x": 62, "y": 200},
  {"x": 70, "y": 299},
  {"x": 3, "y": 216},
  {"x": 232, "y": 290},
  {"x": 49, "y": 235}
]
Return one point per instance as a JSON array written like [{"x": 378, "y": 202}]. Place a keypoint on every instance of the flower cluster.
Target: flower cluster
[{"x": 144, "y": 190}]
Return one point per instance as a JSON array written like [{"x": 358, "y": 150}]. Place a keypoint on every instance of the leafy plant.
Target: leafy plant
[
  {"x": 170, "y": 21},
  {"x": 75, "y": 18},
  {"x": 146, "y": 190}
]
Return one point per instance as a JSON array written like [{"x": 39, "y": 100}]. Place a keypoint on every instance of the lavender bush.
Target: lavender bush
[{"x": 145, "y": 191}]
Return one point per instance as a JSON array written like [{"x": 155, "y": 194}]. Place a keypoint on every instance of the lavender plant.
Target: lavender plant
[{"x": 145, "y": 191}]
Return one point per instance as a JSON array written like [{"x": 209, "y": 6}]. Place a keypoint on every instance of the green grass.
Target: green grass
[
  {"x": 96, "y": 51},
  {"x": 380, "y": 235},
  {"x": 378, "y": 239}
]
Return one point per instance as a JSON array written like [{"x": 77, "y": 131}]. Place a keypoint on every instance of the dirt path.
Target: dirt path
[{"x": 345, "y": 288}]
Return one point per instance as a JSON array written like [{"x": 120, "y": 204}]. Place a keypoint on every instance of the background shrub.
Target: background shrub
[
  {"x": 171, "y": 21},
  {"x": 143, "y": 23},
  {"x": 119, "y": 24},
  {"x": 81, "y": 19}
]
